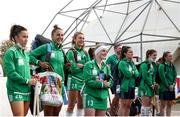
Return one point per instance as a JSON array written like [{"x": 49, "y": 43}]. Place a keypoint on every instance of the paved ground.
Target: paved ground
[{"x": 6, "y": 111}]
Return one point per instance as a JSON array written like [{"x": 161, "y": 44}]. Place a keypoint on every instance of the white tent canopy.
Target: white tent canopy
[{"x": 141, "y": 24}]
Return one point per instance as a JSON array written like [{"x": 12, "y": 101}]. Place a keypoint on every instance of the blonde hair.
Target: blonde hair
[{"x": 75, "y": 36}]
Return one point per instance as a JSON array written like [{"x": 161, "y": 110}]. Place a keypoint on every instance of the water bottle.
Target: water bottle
[
  {"x": 65, "y": 96},
  {"x": 117, "y": 89},
  {"x": 38, "y": 88}
]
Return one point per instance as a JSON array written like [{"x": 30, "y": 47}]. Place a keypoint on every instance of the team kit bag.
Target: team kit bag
[{"x": 51, "y": 88}]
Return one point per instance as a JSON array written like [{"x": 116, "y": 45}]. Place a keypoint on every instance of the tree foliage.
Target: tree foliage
[{"x": 4, "y": 45}]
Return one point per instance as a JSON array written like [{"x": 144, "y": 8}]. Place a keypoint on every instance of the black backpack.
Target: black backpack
[
  {"x": 117, "y": 77},
  {"x": 157, "y": 78},
  {"x": 135, "y": 108},
  {"x": 138, "y": 79}
]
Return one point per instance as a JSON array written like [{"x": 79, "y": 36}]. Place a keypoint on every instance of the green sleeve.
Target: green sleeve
[
  {"x": 74, "y": 68},
  {"x": 87, "y": 57},
  {"x": 136, "y": 73},
  {"x": 40, "y": 51},
  {"x": 89, "y": 80},
  {"x": 9, "y": 67},
  {"x": 124, "y": 69},
  {"x": 162, "y": 75},
  {"x": 108, "y": 61},
  {"x": 145, "y": 77}
]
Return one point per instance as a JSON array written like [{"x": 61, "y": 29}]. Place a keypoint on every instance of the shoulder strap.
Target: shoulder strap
[
  {"x": 65, "y": 58},
  {"x": 75, "y": 53},
  {"x": 173, "y": 67},
  {"x": 49, "y": 51},
  {"x": 148, "y": 64},
  {"x": 164, "y": 67},
  {"x": 85, "y": 52}
]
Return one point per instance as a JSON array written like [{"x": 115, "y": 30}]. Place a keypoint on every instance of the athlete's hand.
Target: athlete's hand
[
  {"x": 80, "y": 65},
  {"x": 171, "y": 88},
  {"x": 44, "y": 65},
  {"x": 156, "y": 86},
  {"x": 106, "y": 84},
  {"x": 32, "y": 81},
  {"x": 68, "y": 64}
]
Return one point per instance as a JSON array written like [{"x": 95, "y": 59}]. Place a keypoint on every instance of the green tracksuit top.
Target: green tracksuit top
[
  {"x": 167, "y": 75},
  {"x": 16, "y": 66},
  {"x": 56, "y": 59},
  {"x": 112, "y": 60},
  {"x": 130, "y": 73},
  {"x": 93, "y": 86},
  {"x": 147, "y": 71},
  {"x": 75, "y": 78}
]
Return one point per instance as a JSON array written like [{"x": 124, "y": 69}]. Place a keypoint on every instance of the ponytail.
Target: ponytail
[
  {"x": 15, "y": 30},
  {"x": 123, "y": 51}
]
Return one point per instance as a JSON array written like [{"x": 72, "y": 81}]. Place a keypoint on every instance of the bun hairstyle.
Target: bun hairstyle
[
  {"x": 150, "y": 52},
  {"x": 55, "y": 27},
  {"x": 75, "y": 36},
  {"x": 14, "y": 31}
]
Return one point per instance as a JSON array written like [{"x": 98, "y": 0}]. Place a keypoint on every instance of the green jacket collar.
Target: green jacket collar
[
  {"x": 168, "y": 63},
  {"x": 54, "y": 45},
  {"x": 102, "y": 66},
  {"x": 78, "y": 49},
  {"x": 116, "y": 56},
  {"x": 148, "y": 61},
  {"x": 19, "y": 49},
  {"x": 127, "y": 60}
]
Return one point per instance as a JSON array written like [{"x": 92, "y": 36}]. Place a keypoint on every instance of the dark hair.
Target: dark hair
[
  {"x": 91, "y": 53},
  {"x": 123, "y": 51},
  {"x": 54, "y": 29},
  {"x": 165, "y": 54},
  {"x": 15, "y": 30},
  {"x": 75, "y": 35},
  {"x": 150, "y": 52},
  {"x": 159, "y": 61},
  {"x": 116, "y": 45}
]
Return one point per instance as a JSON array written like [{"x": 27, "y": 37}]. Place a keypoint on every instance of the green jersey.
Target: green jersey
[
  {"x": 95, "y": 86},
  {"x": 167, "y": 73},
  {"x": 56, "y": 59},
  {"x": 16, "y": 66},
  {"x": 130, "y": 73},
  {"x": 112, "y": 60},
  {"x": 75, "y": 78},
  {"x": 147, "y": 71},
  {"x": 95, "y": 93}
]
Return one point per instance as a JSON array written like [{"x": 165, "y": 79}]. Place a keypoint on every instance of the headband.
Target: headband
[{"x": 100, "y": 48}]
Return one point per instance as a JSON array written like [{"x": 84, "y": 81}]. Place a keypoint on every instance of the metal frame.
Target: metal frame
[{"x": 83, "y": 19}]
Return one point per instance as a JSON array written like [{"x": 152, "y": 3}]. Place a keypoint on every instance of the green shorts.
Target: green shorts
[
  {"x": 145, "y": 92},
  {"x": 74, "y": 84},
  {"x": 18, "y": 96},
  {"x": 91, "y": 102}
]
